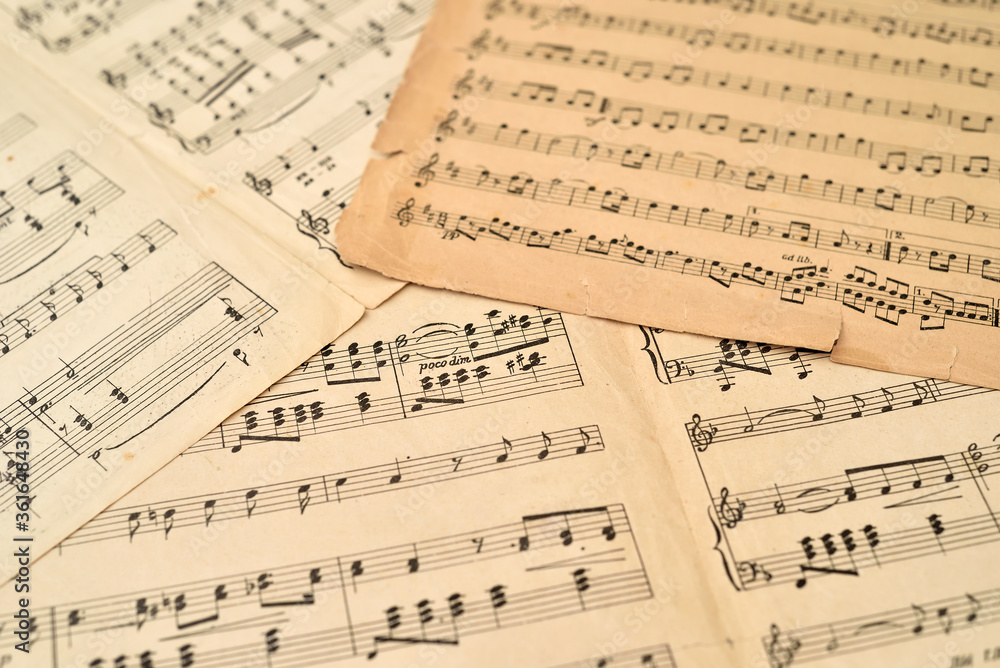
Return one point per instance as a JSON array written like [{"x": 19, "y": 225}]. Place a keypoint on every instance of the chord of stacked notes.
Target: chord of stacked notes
[{"x": 568, "y": 333}]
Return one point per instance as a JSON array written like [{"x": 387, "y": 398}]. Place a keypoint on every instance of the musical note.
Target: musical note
[
  {"x": 574, "y": 560},
  {"x": 507, "y": 447},
  {"x": 544, "y": 452}
]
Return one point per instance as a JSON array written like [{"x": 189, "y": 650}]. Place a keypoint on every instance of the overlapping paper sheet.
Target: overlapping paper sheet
[
  {"x": 817, "y": 174},
  {"x": 460, "y": 481},
  {"x": 268, "y": 107},
  {"x": 843, "y": 516},
  {"x": 450, "y": 483},
  {"x": 127, "y": 327},
  {"x": 468, "y": 481}
]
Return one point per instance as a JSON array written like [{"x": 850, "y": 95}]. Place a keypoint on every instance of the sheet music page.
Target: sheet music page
[
  {"x": 843, "y": 516},
  {"x": 269, "y": 106},
  {"x": 814, "y": 174},
  {"x": 126, "y": 330},
  {"x": 456, "y": 481}
]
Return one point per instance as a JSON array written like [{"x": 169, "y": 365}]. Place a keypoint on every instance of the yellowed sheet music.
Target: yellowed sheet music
[
  {"x": 820, "y": 174},
  {"x": 460, "y": 480},
  {"x": 268, "y": 107},
  {"x": 466, "y": 481},
  {"x": 843, "y": 517},
  {"x": 126, "y": 329},
  {"x": 456, "y": 481}
]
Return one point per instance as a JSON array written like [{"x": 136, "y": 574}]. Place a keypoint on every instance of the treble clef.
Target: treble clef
[
  {"x": 728, "y": 513},
  {"x": 701, "y": 437},
  {"x": 262, "y": 186},
  {"x": 161, "y": 118},
  {"x": 781, "y": 654},
  {"x": 494, "y": 9},
  {"x": 426, "y": 174},
  {"x": 405, "y": 215},
  {"x": 320, "y": 225},
  {"x": 444, "y": 128},
  {"x": 464, "y": 85},
  {"x": 114, "y": 80},
  {"x": 479, "y": 44}
]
